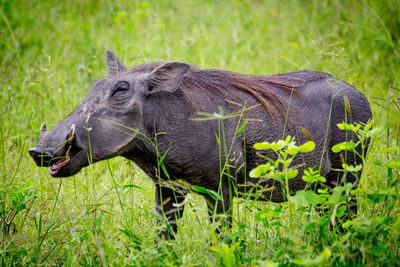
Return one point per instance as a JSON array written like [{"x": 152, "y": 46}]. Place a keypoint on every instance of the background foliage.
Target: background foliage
[{"x": 52, "y": 51}]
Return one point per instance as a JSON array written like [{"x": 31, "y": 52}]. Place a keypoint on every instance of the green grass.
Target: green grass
[{"x": 52, "y": 51}]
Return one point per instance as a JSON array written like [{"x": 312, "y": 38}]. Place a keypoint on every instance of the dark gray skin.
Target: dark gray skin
[{"x": 123, "y": 113}]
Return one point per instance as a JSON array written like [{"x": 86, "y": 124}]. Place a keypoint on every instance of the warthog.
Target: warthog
[{"x": 148, "y": 114}]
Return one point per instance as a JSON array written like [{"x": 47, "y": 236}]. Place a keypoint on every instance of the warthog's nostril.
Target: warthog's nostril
[{"x": 34, "y": 152}]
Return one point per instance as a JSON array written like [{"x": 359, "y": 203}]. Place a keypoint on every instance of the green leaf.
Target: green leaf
[
  {"x": 308, "y": 226},
  {"x": 394, "y": 164},
  {"x": 348, "y": 187},
  {"x": 320, "y": 260},
  {"x": 340, "y": 211},
  {"x": 313, "y": 198},
  {"x": 262, "y": 146},
  {"x": 204, "y": 190},
  {"x": 396, "y": 225},
  {"x": 126, "y": 232},
  {"x": 260, "y": 170},
  {"x": 377, "y": 221},
  {"x": 349, "y": 146},
  {"x": 164, "y": 169},
  {"x": 336, "y": 196},
  {"x": 267, "y": 213},
  {"x": 276, "y": 146},
  {"x": 256, "y": 172},
  {"x": 307, "y": 147},
  {"x": 227, "y": 253},
  {"x": 368, "y": 125},
  {"x": 310, "y": 176},
  {"x": 292, "y": 173},
  {"x": 390, "y": 149},
  {"x": 131, "y": 185},
  {"x": 376, "y": 250},
  {"x": 348, "y": 224},
  {"x": 349, "y": 127},
  {"x": 293, "y": 151},
  {"x": 241, "y": 128},
  {"x": 306, "y": 197},
  {"x": 337, "y": 148},
  {"x": 351, "y": 168}
]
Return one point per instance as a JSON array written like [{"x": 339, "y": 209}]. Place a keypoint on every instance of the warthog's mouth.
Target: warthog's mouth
[
  {"x": 70, "y": 150},
  {"x": 61, "y": 162}
]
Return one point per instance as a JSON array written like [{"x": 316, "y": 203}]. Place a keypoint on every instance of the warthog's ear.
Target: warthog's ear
[
  {"x": 113, "y": 64},
  {"x": 167, "y": 76}
]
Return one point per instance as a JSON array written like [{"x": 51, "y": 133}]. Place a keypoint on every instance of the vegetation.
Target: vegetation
[{"x": 52, "y": 51}]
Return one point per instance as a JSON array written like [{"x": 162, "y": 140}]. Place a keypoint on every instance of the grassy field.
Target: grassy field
[{"x": 51, "y": 53}]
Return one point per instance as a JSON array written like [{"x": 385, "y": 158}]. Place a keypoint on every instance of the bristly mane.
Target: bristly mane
[{"x": 255, "y": 85}]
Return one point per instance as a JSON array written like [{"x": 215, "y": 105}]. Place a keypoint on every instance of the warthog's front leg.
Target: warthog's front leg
[{"x": 169, "y": 205}]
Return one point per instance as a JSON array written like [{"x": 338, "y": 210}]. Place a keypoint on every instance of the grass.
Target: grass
[{"x": 52, "y": 51}]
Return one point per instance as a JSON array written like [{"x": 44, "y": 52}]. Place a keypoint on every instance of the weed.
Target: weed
[{"x": 51, "y": 51}]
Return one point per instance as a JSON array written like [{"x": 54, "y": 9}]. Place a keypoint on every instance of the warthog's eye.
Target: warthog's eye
[{"x": 120, "y": 87}]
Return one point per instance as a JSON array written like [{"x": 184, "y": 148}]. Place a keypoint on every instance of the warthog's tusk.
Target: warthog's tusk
[
  {"x": 71, "y": 134},
  {"x": 73, "y": 130}
]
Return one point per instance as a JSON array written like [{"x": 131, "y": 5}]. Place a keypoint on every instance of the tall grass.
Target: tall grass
[{"x": 52, "y": 51}]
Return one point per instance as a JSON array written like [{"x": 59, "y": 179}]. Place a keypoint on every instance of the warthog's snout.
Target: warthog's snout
[
  {"x": 56, "y": 155},
  {"x": 41, "y": 158}
]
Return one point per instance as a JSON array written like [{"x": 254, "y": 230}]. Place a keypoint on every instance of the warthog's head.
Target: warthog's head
[{"x": 106, "y": 123}]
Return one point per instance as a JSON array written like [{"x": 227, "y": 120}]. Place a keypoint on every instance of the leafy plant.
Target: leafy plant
[{"x": 281, "y": 168}]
